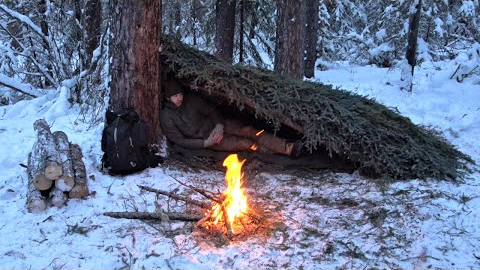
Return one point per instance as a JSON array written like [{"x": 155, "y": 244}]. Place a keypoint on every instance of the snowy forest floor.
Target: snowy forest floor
[{"x": 317, "y": 219}]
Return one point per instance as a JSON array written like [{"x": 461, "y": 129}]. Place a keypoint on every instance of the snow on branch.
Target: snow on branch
[
  {"x": 18, "y": 86},
  {"x": 24, "y": 19}
]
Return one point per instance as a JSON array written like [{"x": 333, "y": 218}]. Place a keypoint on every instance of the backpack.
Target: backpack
[{"x": 125, "y": 142}]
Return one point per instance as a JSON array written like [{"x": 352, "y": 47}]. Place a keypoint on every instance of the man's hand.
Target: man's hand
[
  {"x": 215, "y": 137},
  {"x": 217, "y": 133}
]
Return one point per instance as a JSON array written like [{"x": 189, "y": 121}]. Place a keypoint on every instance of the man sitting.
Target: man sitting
[{"x": 190, "y": 122}]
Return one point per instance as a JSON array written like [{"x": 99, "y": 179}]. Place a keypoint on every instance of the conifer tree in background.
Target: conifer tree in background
[
  {"x": 311, "y": 37},
  {"x": 135, "y": 68},
  {"x": 290, "y": 38}
]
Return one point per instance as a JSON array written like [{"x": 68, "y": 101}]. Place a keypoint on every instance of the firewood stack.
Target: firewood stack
[{"x": 55, "y": 170}]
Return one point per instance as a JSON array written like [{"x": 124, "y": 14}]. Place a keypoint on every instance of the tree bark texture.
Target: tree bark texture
[
  {"x": 241, "y": 34},
  {"x": 225, "y": 27},
  {"x": 135, "y": 67},
  {"x": 80, "y": 189},
  {"x": 289, "y": 50},
  {"x": 413, "y": 35},
  {"x": 67, "y": 180},
  {"x": 311, "y": 37},
  {"x": 35, "y": 201},
  {"x": 44, "y": 149}
]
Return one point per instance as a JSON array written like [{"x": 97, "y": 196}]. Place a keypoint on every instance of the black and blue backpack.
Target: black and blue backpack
[{"x": 125, "y": 143}]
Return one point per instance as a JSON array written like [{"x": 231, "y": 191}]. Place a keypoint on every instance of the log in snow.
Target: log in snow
[
  {"x": 35, "y": 201},
  {"x": 80, "y": 189},
  {"x": 57, "y": 197},
  {"x": 45, "y": 146},
  {"x": 66, "y": 181}
]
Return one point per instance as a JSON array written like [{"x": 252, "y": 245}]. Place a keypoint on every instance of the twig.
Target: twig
[
  {"x": 153, "y": 216},
  {"x": 451, "y": 77},
  {"x": 420, "y": 257},
  {"x": 176, "y": 197}
]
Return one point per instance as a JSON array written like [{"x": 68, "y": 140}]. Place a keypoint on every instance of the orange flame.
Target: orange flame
[
  {"x": 235, "y": 202},
  {"x": 260, "y": 132},
  {"x": 254, "y": 147}
]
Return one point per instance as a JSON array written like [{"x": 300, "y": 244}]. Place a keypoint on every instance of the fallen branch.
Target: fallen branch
[
  {"x": 176, "y": 197},
  {"x": 202, "y": 192},
  {"x": 23, "y": 88},
  {"x": 153, "y": 216}
]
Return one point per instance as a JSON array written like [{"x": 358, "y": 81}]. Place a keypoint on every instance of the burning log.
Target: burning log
[
  {"x": 80, "y": 189},
  {"x": 153, "y": 216},
  {"x": 66, "y": 181},
  {"x": 35, "y": 201}
]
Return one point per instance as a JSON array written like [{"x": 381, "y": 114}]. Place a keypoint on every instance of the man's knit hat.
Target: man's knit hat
[{"x": 172, "y": 87}]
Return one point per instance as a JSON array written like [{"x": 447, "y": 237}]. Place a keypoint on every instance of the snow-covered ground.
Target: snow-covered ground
[{"x": 320, "y": 220}]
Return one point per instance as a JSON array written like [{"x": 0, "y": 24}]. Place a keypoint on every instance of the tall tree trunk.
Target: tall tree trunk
[
  {"x": 240, "y": 41},
  {"x": 413, "y": 35},
  {"x": 193, "y": 15},
  {"x": 225, "y": 27},
  {"x": 311, "y": 37},
  {"x": 135, "y": 67},
  {"x": 91, "y": 24},
  {"x": 411, "y": 53},
  {"x": 177, "y": 18},
  {"x": 290, "y": 38}
]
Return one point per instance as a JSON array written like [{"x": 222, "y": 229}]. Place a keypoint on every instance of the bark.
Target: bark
[
  {"x": 135, "y": 67},
  {"x": 154, "y": 216},
  {"x": 66, "y": 181},
  {"x": 80, "y": 189},
  {"x": 289, "y": 49},
  {"x": 35, "y": 201},
  {"x": 177, "y": 197},
  {"x": 240, "y": 42},
  {"x": 193, "y": 15},
  {"x": 311, "y": 37},
  {"x": 45, "y": 152},
  {"x": 225, "y": 27},
  {"x": 35, "y": 165}
]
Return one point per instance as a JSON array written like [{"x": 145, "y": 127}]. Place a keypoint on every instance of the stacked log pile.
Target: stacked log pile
[{"x": 55, "y": 170}]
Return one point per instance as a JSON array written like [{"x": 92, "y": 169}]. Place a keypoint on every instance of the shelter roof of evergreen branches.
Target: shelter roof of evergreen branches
[{"x": 379, "y": 141}]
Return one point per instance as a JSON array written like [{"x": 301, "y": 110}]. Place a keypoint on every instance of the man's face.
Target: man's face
[{"x": 177, "y": 99}]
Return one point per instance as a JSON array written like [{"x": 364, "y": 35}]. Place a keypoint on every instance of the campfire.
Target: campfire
[
  {"x": 233, "y": 203},
  {"x": 229, "y": 213}
]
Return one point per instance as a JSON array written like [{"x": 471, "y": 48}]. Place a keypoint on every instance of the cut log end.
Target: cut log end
[
  {"x": 78, "y": 192},
  {"x": 37, "y": 206},
  {"x": 53, "y": 171},
  {"x": 58, "y": 198},
  {"x": 41, "y": 182},
  {"x": 65, "y": 183}
]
